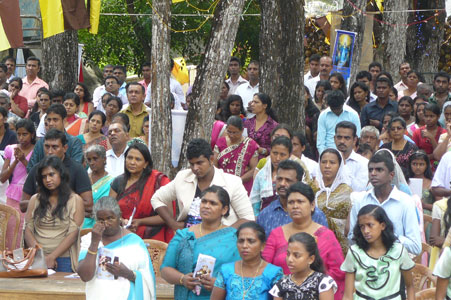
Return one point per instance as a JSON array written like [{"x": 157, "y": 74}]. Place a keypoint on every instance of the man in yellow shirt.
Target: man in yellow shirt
[{"x": 136, "y": 110}]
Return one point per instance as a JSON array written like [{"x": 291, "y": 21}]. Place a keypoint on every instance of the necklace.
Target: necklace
[
  {"x": 200, "y": 229},
  {"x": 299, "y": 284},
  {"x": 253, "y": 279}
]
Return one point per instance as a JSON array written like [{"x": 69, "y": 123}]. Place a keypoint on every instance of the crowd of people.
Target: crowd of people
[{"x": 334, "y": 211}]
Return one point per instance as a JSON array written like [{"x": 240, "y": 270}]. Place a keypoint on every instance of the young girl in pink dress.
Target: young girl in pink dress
[{"x": 15, "y": 167}]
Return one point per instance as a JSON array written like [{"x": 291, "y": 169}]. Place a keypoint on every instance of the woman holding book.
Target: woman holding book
[{"x": 210, "y": 238}]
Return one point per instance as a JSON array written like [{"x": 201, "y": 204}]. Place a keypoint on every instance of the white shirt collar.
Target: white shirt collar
[{"x": 395, "y": 194}]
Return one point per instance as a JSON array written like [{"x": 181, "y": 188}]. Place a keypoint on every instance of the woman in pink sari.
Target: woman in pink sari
[
  {"x": 300, "y": 206},
  {"x": 236, "y": 154}
]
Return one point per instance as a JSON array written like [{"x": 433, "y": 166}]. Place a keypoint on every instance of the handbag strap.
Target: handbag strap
[{"x": 7, "y": 262}]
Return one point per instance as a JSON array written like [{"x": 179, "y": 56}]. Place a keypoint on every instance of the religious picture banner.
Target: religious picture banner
[{"x": 342, "y": 55}]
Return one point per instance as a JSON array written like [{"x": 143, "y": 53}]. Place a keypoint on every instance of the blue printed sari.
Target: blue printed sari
[
  {"x": 99, "y": 189},
  {"x": 184, "y": 249}
]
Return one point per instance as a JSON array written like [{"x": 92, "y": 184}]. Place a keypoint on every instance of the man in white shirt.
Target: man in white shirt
[
  {"x": 345, "y": 140},
  {"x": 399, "y": 206},
  {"x": 441, "y": 183},
  {"x": 404, "y": 68},
  {"x": 115, "y": 157},
  {"x": 175, "y": 88},
  {"x": 247, "y": 90},
  {"x": 325, "y": 67},
  {"x": 187, "y": 187},
  {"x": 235, "y": 79},
  {"x": 100, "y": 90},
  {"x": 313, "y": 67}
]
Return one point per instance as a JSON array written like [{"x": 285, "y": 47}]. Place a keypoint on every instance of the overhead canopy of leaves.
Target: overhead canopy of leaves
[{"x": 124, "y": 40}]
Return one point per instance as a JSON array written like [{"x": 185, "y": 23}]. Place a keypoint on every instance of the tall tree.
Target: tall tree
[
  {"x": 282, "y": 58},
  {"x": 210, "y": 75},
  {"x": 394, "y": 36},
  {"x": 161, "y": 128},
  {"x": 60, "y": 60},
  {"x": 139, "y": 26},
  {"x": 424, "y": 39},
  {"x": 354, "y": 21}
]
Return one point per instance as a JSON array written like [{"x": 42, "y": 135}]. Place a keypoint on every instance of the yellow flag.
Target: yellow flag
[
  {"x": 380, "y": 5},
  {"x": 177, "y": 1},
  {"x": 180, "y": 71},
  {"x": 52, "y": 17},
  {"x": 94, "y": 16},
  {"x": 4, "y": 43}
]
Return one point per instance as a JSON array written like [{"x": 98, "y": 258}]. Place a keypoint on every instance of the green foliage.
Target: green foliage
[
  {"x": 122, "y": 41},
  {"x": 115, "y": 43}
]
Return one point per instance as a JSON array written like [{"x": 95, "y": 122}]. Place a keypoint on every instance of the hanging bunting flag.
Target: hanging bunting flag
[
  {"x": 94, "y": 15},
  {"x": 11, "y": 35},
  {"x": 180, "y": 70},
  {"x": 60, "y": 15}
]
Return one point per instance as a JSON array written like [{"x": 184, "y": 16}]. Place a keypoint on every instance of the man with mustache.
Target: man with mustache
[
  {"x": 345, "y": 141},
  {"x": 275, "y": 214}
]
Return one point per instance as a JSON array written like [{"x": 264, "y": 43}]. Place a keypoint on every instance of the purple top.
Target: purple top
[{"x": 263, "y": 135}]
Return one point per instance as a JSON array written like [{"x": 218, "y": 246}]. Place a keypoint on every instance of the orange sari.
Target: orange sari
[{"x": 77, "y": 127}]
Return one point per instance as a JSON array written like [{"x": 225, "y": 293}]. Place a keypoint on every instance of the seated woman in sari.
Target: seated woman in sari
[
  {"x": 99, "y": 250},
  {"x": 95, "y": 156},
  {"x": 236, "y": 154},
  {"x": 210, "y": 237},
  {"x": 54, "y": 216},
  {"x": 333, "y": 198},
  {"x": 73, "y": 124},
  {"x": 135, "y": 188},
  {"x": 95, "y": 136}
]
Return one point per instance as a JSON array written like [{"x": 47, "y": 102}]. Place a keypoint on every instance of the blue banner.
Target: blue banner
[{"x": 342, "y": 55}]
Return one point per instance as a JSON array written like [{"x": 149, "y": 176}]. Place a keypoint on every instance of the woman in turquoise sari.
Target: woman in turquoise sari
[
  {"x": 211, "y": 238},
  {"x": 95, "y": 156},
  {"x": 113, "y": 261}
]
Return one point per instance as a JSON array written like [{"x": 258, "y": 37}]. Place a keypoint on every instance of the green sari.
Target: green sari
[{"x": 99, "y": 189}]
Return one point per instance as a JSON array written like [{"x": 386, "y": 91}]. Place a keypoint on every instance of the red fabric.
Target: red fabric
[
  {"x": 275, "y": 252},
  {"x": 144, "y": 208},
  {"x": 424, "y": 143},
  {"x": 85, "y": 107},
  {"x": 80, "y": 73},
  {"x": 22, "y": 102}
]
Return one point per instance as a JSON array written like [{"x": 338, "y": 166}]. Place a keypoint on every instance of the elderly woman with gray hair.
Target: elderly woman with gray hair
[
  {"x": 95, "y": 156},
  {"x": 113, "y": 261}
]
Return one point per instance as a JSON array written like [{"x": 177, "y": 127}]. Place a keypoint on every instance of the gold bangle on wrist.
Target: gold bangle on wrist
[
  {"x": 181, "y": 279},
  {"x": 92, "y": 252}
]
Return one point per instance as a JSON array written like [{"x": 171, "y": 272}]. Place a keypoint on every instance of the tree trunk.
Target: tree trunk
[
  {"x": 424, "y": 39},
  {"x": 282, "y": 58},
  {"x": 393, "y": 40},
  {"x": 355, "y": 23},
  {"x": 161, "y": 128},
  {"x": 139, "y": 29},
  {"x": 60, "y": 60},
  {"x": 211, "y": 73}
]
